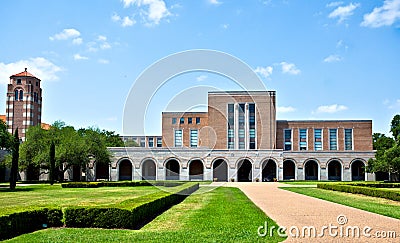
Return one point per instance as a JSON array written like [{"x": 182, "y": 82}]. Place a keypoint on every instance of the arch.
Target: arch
[
  {"x": 335, "y": 168},
  {"x": 289, "y": 169},
  {"x": 172, "y": 169},
  {"x": 149, "y": 169},
  {"x": 196, "y": 169},
  {"x": 220, "y": 169},
  {"x": 125, "y": 170},
  {"x": 76, "y": 173},
  {"x": 269, "y": 170},
  {"x": 244, "y": 170},
  {"x": 311, "y": 170},
  {"x": 357, "y": 170},
  {"x": 102, "y": 171}
]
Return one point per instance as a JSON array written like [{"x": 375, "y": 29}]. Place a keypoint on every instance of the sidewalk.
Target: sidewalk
[{"x": 290, "y": 209}]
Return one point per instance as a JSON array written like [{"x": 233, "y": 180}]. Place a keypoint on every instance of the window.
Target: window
[
  {"x": 231, "y": 126},
  {"x": 178, "y": 138},
  {"x": 19, "y": 81},
  {"x": 159, "y": 142},
  {"x": 252, "y": 126},
  {"x": 303, "y": 139},
  {"x": 21, "y": 95},
  {"x": 193, "y": 138},
  {"x": 37, "y": 83},
  {"x": 348, "y": 139},
  {"x": 16, "y": 94},
  {"x": 288, "y": 139},
  {"x": 197, "y": 120},
  {"x": 333, "y": 139},
  {"x": 242, "y": 126},
  {"x": 142, "y": 142},
  {"x": 182, "y": 120},
  {"x": 151, "y": 142},
  {"x": 190, "y": 120},
  {"x": 174, "y": 120},
  {"x": 317, "y": 139}
]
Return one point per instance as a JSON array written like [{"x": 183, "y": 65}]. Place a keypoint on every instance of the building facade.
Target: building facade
[{"x": 239, "y": 139}]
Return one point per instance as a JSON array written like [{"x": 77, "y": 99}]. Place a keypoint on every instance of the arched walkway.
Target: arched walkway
[
  {"x": 125, "y": 170},
  {"x": 244, "y": 170},
  {"x": 148, "y": 170},
  {"x": 196, "y": 170},
  {"x": 172, "y": 169},
  {"x": 357, "y": 171},
  {"x": 269, "y": 170},
  {"x": 102, "y": 171},
  {"x": 289, "y": 170},
  {"x": 220, "y": 170},
  {"x": 311, "y": 170},
  {"x": 334, "y": 170}
]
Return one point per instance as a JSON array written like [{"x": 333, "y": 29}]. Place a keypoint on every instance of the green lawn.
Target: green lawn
[
  {"x": 36, "y": 196},
  {"x": 221, "y": 215},
  {"x": 302, "y": 182},
  {"x": 372, "y": 204}
]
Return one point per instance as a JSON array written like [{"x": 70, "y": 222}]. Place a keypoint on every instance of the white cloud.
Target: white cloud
[
  {"x": 77, "y": 41},
  {"x": 331, "y": 108},
  {"x": 343, "y": 12},
  {"x": 105, "y": 45},
  {"x": 102, "y": 38},
  {"x": 385, "y": 15},
  {"x": 264, "y": 71},
  {"x": 65, "y": 34},
  {"x": 115, "y": 17},
  {"x": 103, "y": 61},
  {"x": 285, "y": 109},
  {"x": 38, "y": 66},
  {"x": 201, "y": 78},
  {"x": 153, "y": 10},
  {"x": 214, "y": 2},
  {"x": 79, "y": 57},
  {"x": 333, "y": 4},
  {"x": 127, "y": 22},
  {"x": 333, "y": 58},
  {"x": 289, "y": 68},
  {"x": 391, "y": 105},
  {"x": 225, "y": 26}
]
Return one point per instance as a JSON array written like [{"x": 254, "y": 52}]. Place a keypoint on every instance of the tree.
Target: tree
[
  {"x": 131, "y": 143},
  {"x": 395, "y": 128},
  {"x": 52, "y": 155},
  {"x": 15, "y": 157},
  {"x": 6, "y": 139}
]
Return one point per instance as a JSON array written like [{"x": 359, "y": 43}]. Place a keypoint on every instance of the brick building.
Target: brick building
[{"x": 240, "y": 139}]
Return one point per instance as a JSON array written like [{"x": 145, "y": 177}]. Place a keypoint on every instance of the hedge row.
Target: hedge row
[
  {"x": 129, "y": 214},
  {"x": 377, "y": 185},
  {"x": 368, "y": 191},
  {"x": 25, "y": 222},
  {"x": 119, "y": 184}
]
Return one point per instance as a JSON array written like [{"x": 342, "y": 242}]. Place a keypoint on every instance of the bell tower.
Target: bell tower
[{"x": 24, "y": 102}]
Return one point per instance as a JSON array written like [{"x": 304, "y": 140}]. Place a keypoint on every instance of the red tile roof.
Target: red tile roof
[
  {"x": 45, "y": 126},
  {"x": 24, "y": 74},
  {"x": 3, "y": 117}
]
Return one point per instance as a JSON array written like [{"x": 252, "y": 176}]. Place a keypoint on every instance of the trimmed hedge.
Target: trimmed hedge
[
  {"x": 119, "y": 184},
  {"x": 25, "y": 222},
  {"x": 377, "y": 185},
  {"x": 129, "y": 214},
  {"x": 368, "y": 191}
]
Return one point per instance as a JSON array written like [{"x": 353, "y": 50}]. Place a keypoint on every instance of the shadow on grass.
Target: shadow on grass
[{"x": 17, "y": 189}]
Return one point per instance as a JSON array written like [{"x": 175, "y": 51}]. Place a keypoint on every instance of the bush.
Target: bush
[
  {"x": 353, "y": 188},
  {"x": 25, "y": 222},
  {"x": 120, "y": 184}
]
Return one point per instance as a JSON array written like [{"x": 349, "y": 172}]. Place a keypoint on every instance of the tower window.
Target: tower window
[
  {"x": 37, "y": 83},
  {"x": 16, "y": 95},
  {"x": 21, "y": 94},
  {"x": 19, "y": 81}
]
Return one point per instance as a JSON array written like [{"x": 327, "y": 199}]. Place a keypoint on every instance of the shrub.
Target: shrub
[{"x": 120, "y": 184}]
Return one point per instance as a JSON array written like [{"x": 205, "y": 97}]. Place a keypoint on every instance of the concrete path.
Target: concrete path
[{"x": 299, "y": 212}]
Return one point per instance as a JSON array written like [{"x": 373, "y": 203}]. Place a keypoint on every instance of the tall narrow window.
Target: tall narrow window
[
  {"x": 151, "y": 142},
  {"x": 143, "y": 142},
  {"x": 333, "y": 139},
  {"x": 159, "y": 142},
  {"x": 182, "y": 120},
  {"x": 252, "y": 126},
  {"x": 19, "y": 81},
  {"x": 197, "y": 120},
  {"x": 231, "y": 126},
  {"x": 303, "y": 139},
  {"x": 241, "y": 124},
  {"x": 193, "y": 138},
  {"x": 318, "y": 139},
  {"x": 178, "y": 138},
  {"x": 16, "y": 94},
  {"x": 288, "y": 139},
  {"x": 348, "y": 139},
  {"x": 21, "y": 95},
  {"x": 173, "y": 120},
  {"x": 190, "y": 120}
]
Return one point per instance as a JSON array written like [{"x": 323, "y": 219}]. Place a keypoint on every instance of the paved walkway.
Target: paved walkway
[{"x": 292, "y": 210}]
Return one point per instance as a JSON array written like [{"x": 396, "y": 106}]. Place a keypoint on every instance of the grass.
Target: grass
[
  {"x": 371, "y": 204},
  {"x": 221, "y": 215},
  {"x": 302, "y": 182},
  {"x": 37, "y": 196}
]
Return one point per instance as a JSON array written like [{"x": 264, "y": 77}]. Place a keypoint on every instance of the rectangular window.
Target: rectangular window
[
  {"x": 178, "y": 138},
  {"x": 19, "y": 81},
  {"x": 348, "y": 139},
  {"x": 190, "y": 120},
  {"x": 241, "y": 124},
  {"x": 288, "y": 139},
  {"x": 197, "y": 120},
  {"x": 174, "y": 120},
  {"x": 318, "y": 139},
  {"x": 159, "y": 142},
  {"x": 252, "y": 126},
  {"x": 303, "y": 139},
  {"x": 151, "y": 142},
  {"x": 333, "y": 139},
  {"x": 182, "y": 120},
  {"x": 142, "y": 142},
  {"x": 231, "y": 126},
  {"x": 193, "y": 138}
]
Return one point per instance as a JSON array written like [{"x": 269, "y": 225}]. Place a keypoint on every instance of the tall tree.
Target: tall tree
[
  {"x": 52, "y": 155},
  {"x": 15, "y": 157},
  {"x": 395, "y": 128},
  {"x": 6, "y": 138}
]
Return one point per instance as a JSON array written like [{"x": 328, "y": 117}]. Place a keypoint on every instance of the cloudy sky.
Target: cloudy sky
[{"x": 325, "y": 59}]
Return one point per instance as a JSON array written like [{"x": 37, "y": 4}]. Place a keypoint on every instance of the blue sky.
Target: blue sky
[{"x": 325, "y": 59}]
